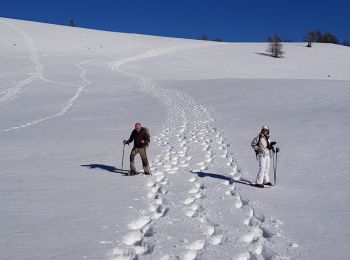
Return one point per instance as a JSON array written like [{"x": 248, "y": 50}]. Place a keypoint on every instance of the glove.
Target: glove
[{"x": 124, "y": 142}]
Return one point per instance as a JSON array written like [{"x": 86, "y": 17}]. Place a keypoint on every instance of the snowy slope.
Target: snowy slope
[{"x": 69, "y": 96}]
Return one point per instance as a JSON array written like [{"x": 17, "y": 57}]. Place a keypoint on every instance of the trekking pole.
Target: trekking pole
[
  {"x": 149, "y": 167},
  {"x": 123, "y": 157},
  {"x": 275, "y": 166}
]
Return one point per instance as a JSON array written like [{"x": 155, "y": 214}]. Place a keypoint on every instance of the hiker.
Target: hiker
[
  {"x": 141, "y": 139},
  {"x": 261, "y": 145}
]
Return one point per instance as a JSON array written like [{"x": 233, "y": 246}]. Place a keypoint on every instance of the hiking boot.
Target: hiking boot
[
  {"x": 146, "y": 173},
  {"x": 132, "y": 172},
  {"x": 259, "y": 185},
  {"x": 268, "y": 183}
]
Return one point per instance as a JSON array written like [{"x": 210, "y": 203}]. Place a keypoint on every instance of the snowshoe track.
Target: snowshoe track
[{"x": 184, "y": 194}]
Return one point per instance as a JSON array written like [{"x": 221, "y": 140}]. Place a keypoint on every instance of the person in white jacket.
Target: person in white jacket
[{"x": 261, "y": 145}]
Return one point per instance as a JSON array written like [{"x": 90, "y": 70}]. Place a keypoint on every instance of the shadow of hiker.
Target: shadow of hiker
[
  {"x": 215, "y": 176},
  {"x": 106, "y": 168},
  {"x": 244, "y": 181},
  {"x": 223, "y": 177}
]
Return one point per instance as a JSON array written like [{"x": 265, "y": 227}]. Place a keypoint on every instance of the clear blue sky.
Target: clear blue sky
[{"x": 235, "y": 20}]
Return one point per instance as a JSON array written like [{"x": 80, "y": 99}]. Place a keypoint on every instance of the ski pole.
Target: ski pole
[{"x": 123, "y": 157}]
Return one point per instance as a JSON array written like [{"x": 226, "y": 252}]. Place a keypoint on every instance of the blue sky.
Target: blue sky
[{"x": 235, "y": 20}]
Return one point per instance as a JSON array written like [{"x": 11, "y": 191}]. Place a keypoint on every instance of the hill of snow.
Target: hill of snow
[{"x": 69, "y": 96}]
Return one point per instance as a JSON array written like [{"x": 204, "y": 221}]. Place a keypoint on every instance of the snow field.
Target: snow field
[
  {"x": 12, "y": 92},
  {"x": 67, "y": 104},
  {"x": 191, "y": 144}
]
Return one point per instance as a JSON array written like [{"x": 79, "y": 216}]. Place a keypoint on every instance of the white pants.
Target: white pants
[{"x": 264, "y": 168}]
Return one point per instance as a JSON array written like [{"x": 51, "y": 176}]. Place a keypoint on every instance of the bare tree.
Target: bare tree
[
  {"x": 346, "y": 43},
  {"x": 309, "y": 39},
  {"x": 275, "y": 46},
  {"x": 216, "y": 39},
  {"x": 312, "y": 36},
  {"x": 203, "y": 37},
  {"x": 72, "y": 23}
]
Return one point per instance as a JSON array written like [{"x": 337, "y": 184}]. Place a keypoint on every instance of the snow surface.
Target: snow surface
[{"x": 69, "y": 96}]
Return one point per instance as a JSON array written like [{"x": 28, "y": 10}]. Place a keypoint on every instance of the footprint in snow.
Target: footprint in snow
[
  {"x": 189, "y": 200},
  {"x": 139, "y": 223}
]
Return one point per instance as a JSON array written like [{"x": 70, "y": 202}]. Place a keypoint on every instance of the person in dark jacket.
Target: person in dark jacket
[{"x": 141, "y": 140}]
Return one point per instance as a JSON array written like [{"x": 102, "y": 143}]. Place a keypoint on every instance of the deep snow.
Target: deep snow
[{"x": 69, "y": 96}]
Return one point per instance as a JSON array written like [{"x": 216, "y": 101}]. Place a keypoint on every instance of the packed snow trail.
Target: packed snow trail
[{"x": 195, "y": 210}]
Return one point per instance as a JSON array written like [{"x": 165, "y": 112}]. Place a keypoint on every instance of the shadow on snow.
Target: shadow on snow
[
  {"x": 107, "y": 168},
  {"x": 223, "y": 177}
]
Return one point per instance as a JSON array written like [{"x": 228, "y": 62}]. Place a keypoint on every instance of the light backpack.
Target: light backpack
[{"x": 255, "y": 143}]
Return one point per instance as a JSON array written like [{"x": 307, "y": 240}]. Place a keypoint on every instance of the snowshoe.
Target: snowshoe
[{"x": 268, "y": 183}]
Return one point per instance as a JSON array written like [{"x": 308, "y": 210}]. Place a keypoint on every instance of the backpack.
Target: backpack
[{"x": 255, "y": 143}]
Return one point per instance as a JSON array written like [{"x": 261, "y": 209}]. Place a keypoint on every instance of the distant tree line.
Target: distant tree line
[
  {"x": 204, "y": 37},
  {"x": 318, "y": 36},
  {"x": 309, "y": 37},
  {"x": 346, "y": 43},
  {"x": 275, "y": 42},
  {"x": 275, "y": 48}
]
